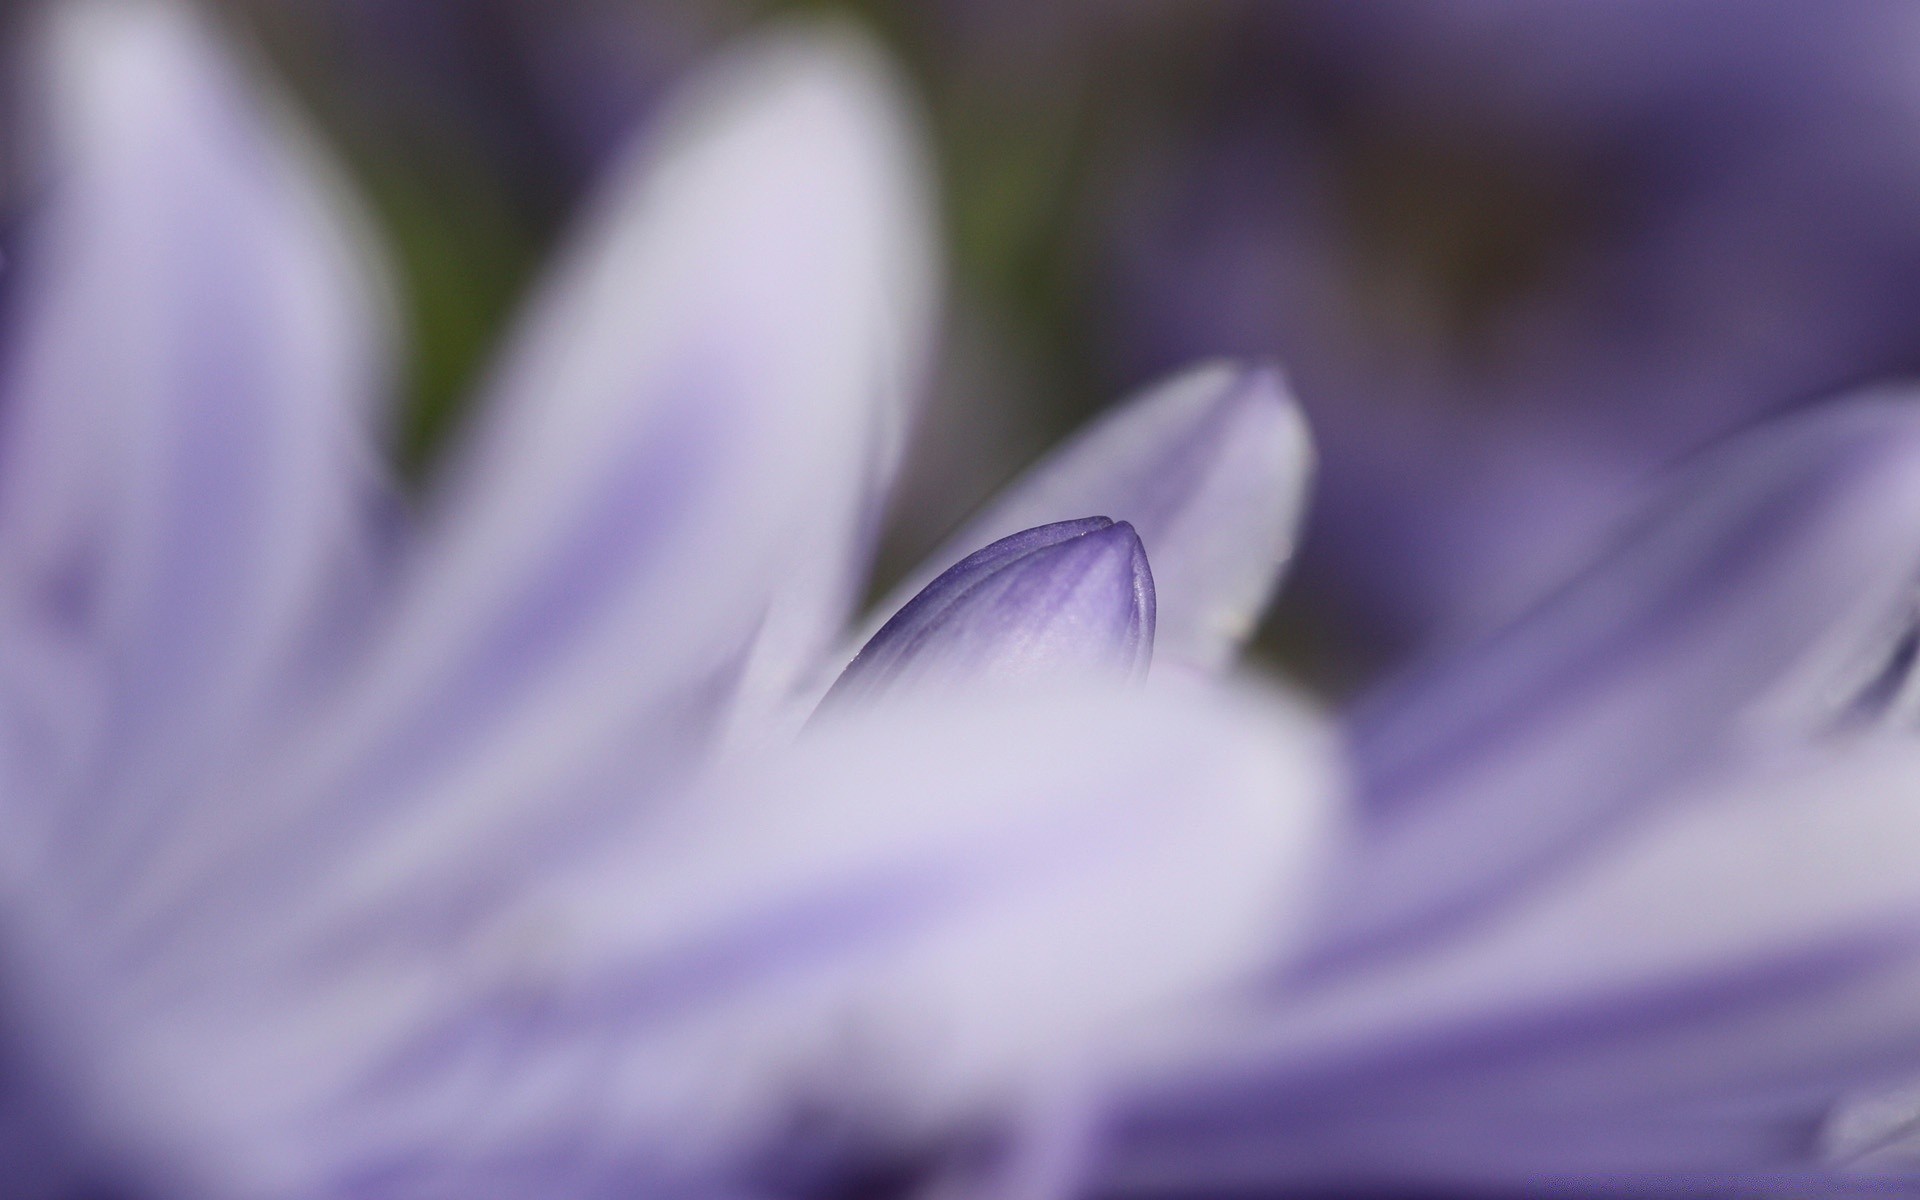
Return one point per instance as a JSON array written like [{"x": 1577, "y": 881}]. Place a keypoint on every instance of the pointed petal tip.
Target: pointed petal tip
[
  {"x": 128, "y": 80},
  {"x": 1222, "y": 513},
  {"x": 849, "y": 109},
  {"x": 1057, "y": 601},
  {"x": 1211, "y": 466},
  {"x": 99, "y": 56},
  {"x": 1258, "y": 384},
  {"x": 1261, "y": 395},
  {"x": 104, "y": 59},
  {"x": 758, "y": 273},
  {"x": 109, "y": 25},
  {"x": 815, "y": 111},
  {"x": 828, "y": 76},
  {"x": 833, "y": 53}
]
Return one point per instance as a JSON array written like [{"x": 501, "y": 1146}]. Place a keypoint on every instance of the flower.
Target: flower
[
  {"x": 556, "y": 840},
  {"x": 1630, "y": 905},
  {"x": 470, "y": 851}
]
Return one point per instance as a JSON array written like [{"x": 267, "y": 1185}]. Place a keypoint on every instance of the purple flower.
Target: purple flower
[
  {"x": 472, "y": 851},
  {"x": 1630, "y": 904},
  {"x": 506, "y": 847}
]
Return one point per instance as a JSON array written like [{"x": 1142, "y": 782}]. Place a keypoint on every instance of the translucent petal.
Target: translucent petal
[{"x": 1211, "y": 469}]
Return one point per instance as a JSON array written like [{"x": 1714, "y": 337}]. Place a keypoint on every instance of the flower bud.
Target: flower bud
[{"x": 1070, "y": 599}]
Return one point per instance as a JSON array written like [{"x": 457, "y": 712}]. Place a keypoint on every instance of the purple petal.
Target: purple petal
[
  {"x": 919, "y": 917},
  {"x": 668, "y": 486},
  {"x": 185, "y": 460},
  {"x": 1691, "y": 999},
  {"x": 1055, "y": 603},
  {"x": 1210, "y": 468},
  {"x": 1763, "y": 595}
]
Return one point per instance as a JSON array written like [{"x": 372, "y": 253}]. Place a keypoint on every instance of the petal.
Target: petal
[
  {"x": 1725, "y": 969},
  {"x": 832, "y": 525},
  {"x": 186, "y": 467},
  {"x": 673, "y": 456},
  {"x": 1064, "y": 601},
  {"x": 913, "y": 919},
  {"x": 1763, "y": 596},
  {"x": 1210, "y": 468}
]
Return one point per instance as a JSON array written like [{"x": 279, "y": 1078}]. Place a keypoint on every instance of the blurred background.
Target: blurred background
[{"x": 1515, "y": 257}]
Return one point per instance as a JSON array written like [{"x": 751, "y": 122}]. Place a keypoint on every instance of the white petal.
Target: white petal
[
  {"x": 670, "y": 472},
  {"x": 1211, "y": 468},
  {"x": 185, "y": 462},
  {"x": 916, "y": 917},
  {"x": 1741, "y": 958}
]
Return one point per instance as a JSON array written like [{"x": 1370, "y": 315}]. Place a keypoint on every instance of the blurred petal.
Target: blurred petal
[
  {"x": 1060, "y": 602},
  {"x": 830, "y": 528},
  {"x": 1690, "y": 999},
  {"x": 912, "y": 921},
  {"x": 669, "y": 475},
  {"x": 185, "y": 468},
  {"x": 1881, "y": 1127},
  {"x": 1764, "y": 596},
  {"x": 1210, "y": 468}
]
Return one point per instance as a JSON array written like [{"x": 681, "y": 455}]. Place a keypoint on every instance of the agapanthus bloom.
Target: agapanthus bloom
[
  {"x": 479, "y": 850},
  {"x": 557, "y": 840},
  {"x": 1631, "y": 905}
]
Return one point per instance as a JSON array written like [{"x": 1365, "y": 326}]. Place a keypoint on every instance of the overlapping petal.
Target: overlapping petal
[
  {"x": 1211, "y": 469},
  {"x": 1764, "y": 596},
  {"x": 1631, "y": 906},
  {"x": 670, "y": 481},
  {"x": 186, "y": 463},
  {"x": 913, "y": 921},
  {"x": 1692, "y": 999}
]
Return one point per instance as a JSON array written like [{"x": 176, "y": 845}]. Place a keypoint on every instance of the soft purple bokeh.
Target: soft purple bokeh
[{"x": 1517, "y": 257}]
